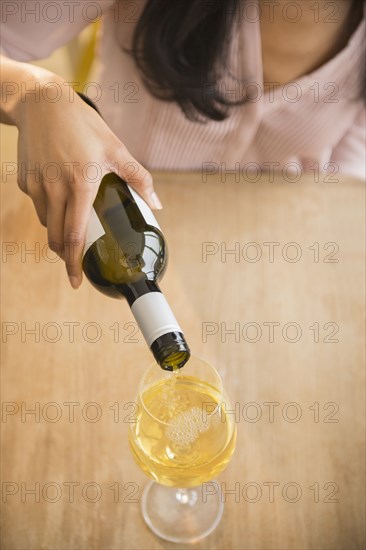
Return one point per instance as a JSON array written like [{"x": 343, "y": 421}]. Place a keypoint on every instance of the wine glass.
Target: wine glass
[{"x": 182, "y": 438}]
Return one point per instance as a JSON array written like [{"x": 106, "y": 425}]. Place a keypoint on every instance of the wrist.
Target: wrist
[
  {"x": 24, "y": 86},
  {"x": 38, "y": 86}
]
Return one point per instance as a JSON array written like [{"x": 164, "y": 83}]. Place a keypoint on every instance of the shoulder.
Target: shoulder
[{"x": 32, "y": 30}]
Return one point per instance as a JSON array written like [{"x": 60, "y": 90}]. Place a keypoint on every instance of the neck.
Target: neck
[{"x": 299, "y": 37}]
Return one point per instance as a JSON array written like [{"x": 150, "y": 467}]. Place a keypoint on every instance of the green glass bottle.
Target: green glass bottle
[{"x": 125, "y": 255}]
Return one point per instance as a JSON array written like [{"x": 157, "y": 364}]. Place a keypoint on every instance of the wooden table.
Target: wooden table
[{"x": 292, "y": 364}]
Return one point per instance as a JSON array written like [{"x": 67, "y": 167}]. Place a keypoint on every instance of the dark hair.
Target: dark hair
[{"x": 181, "y": 47}]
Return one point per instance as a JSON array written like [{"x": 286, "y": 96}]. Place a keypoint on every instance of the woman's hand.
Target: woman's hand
[{"x": 64, "y": 150}]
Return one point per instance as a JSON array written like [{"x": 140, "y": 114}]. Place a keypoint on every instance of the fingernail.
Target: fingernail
[
  {"x": 74, "y": 281},
  {"x": 155, "y": 201}
]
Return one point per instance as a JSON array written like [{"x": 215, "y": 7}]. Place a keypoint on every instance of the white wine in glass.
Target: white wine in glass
[{"x": 182, "y": 438}]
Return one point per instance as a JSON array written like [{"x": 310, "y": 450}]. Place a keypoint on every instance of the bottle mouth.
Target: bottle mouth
[
  {"x": 171, "y": 351},
  {"x": 175, "y": 361}
]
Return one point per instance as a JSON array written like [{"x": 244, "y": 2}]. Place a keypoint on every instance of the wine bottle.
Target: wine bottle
[{"x": 125, "y": 255}]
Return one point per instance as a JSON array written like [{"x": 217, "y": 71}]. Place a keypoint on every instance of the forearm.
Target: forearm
[{"x": 21, "y": 82}]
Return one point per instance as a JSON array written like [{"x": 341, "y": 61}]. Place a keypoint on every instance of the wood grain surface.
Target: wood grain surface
[{"x": 293, "y": 365}]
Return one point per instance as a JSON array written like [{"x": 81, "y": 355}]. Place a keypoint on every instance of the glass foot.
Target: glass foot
[{"x": 180, "y": 515}]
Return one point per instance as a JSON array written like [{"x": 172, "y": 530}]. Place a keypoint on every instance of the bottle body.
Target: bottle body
[{"x": 125, "y": 255}]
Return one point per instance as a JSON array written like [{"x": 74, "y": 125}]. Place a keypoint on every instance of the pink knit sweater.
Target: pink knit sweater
[{"x": 316, "y": 123}]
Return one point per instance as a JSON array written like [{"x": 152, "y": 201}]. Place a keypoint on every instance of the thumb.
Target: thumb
[{"x": 137, "y": 177}]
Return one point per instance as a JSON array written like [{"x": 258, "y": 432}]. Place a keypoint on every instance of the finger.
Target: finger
[
  {"x": 136, "y": 176},
  {"x": 56, "y": 208},
  {"x": 24, "y": 175},
  {"x": 22, "y": 184},
  {"x": 39, "y": 199},
  {"x": 41, "y": 210},
  {"x": 78, "y": 210}
]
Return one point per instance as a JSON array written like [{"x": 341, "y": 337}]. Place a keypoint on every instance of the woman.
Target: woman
[{"x": 183, "y": 84}]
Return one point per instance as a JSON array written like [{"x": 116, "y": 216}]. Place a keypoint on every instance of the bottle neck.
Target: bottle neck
[
  {"x": 158, "y": 324},
  {"x": 133, "y": 291}
]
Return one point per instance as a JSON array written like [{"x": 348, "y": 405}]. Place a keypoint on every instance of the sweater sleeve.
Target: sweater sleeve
[
  {"x": 33, "y": 29},
  {"x": 350, "y": 152}
]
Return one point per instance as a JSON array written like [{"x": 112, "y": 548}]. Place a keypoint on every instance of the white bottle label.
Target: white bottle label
[
  {"x": 95, "y": 229},
  {"x": 154, "y": 316}
]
